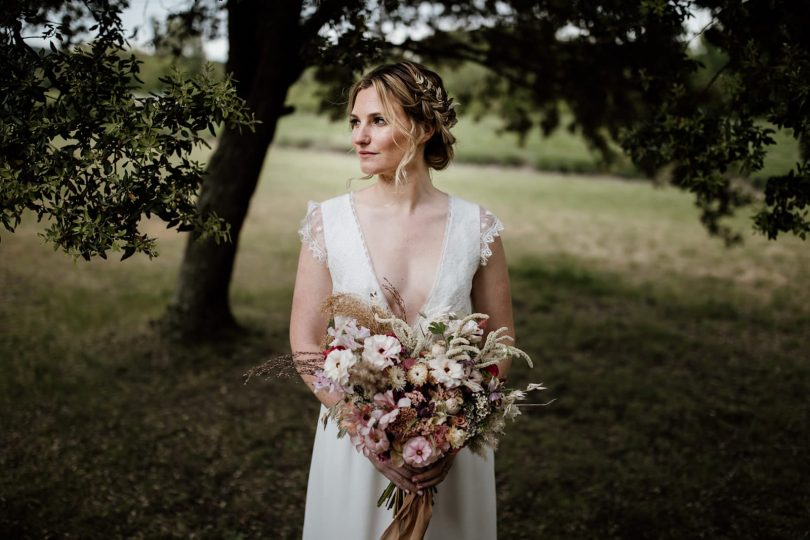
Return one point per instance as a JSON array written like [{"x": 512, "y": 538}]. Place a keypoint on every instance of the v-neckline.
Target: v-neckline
[{"x": 438, "y": 271}]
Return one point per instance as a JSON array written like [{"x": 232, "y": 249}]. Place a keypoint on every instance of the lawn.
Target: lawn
[{"x": 679, "y": 368}]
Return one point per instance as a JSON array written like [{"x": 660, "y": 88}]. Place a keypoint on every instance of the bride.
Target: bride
[{"x": 439, "y": 252}]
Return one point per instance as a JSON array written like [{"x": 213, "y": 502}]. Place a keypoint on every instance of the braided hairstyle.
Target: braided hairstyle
[{"x": 422, "y": 95}]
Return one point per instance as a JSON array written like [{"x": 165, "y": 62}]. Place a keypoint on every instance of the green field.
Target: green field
[{"x": 680, "y": 371}]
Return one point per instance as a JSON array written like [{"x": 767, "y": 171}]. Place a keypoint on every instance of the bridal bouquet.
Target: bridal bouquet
[{"x": 412, "y": 397}]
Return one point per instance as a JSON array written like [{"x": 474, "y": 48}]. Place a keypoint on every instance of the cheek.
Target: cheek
[{"x": 389, "y": 137}]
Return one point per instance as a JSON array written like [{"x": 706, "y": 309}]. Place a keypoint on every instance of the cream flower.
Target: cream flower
[
  {"x": 452, "y": 405},
  {"x": 447, "y": 372},
  {"x": 397, "y": 377},
  {"x": 380, "y": 351},
  {"x": 418, "y": 374},
  {"x": 456, "y": 437},
  {"x": 337, "y": 364}
]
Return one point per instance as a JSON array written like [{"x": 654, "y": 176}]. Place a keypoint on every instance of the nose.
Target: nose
[{"x": 360, "y": 135}]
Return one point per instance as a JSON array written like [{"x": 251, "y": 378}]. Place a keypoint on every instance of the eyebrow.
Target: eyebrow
[{"x": 352, "y": 115}]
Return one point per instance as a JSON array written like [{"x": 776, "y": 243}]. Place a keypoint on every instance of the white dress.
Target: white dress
[{"x": 343, "y": 485}]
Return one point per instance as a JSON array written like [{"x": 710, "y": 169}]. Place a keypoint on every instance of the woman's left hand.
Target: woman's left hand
[{"x": 434, "y": 474}]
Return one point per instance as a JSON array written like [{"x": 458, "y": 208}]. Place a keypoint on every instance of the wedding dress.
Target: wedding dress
[{"x": 343, "y": 485}]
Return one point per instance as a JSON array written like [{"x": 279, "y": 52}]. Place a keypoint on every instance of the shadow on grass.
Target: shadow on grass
[{"x": 675, "y": 416}]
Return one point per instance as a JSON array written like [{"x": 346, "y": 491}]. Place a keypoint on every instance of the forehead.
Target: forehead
[{"x": 368, "y": 102}]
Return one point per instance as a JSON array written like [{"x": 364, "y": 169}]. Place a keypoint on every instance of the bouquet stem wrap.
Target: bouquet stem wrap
[{"x": 412, "y": 519}]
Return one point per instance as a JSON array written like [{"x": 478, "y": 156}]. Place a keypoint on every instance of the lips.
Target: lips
[{"x": 366, "y": 154}]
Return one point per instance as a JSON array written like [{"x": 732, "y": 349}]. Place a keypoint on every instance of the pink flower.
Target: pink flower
[
  {"x": 388, "y": 409},
  {"x": 376, "y": 441},
  {"x": 370, "y": 441},
  {"x": 357, "y": 419},
  {"x": 417, "y": 451},
  {"x": 440, "y": 437}
]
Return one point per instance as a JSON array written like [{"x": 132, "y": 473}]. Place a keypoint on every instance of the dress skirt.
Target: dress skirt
[{"x": 344, "y": 487}]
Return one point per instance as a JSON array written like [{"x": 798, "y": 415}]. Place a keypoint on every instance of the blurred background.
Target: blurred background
[{"x": 677, "y": 351}]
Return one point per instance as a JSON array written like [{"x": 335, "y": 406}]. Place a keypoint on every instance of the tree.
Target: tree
[
  {"x": 621, "y": 67},
  {"x": 81, "y": 149}
]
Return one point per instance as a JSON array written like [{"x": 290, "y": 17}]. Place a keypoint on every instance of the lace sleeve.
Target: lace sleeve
[
  {"x": 491, "y": 227},
  {"x": 311, "y": 231}
]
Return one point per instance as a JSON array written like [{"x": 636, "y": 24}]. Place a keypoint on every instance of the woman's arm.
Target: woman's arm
[
  {"x": 491, "y": 295},
  {"x": 313, "y": 284}
]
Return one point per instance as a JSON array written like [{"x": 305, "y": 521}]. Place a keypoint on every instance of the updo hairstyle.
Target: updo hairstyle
[{"x": 422, "y": 95}]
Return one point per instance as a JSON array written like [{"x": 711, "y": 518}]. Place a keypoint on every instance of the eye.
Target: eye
[
  {"x": 379, "y": 121},
  {"x": 353, "y": 123}
]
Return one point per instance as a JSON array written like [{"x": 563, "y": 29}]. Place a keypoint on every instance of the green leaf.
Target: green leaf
[{"x": 437, "y": 328}]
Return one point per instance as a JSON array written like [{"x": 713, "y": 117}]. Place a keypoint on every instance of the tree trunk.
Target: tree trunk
[{"x": 263, "y": 59}]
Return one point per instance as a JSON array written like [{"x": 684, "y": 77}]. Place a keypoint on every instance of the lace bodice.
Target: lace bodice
[
  {"x": 332, "y": 233},
  {"x": 311, "y": 232}
]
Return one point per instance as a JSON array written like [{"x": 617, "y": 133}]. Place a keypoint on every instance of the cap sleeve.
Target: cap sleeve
[
  {"x": 491, "y": 227},
  {"x": 311, "y": 232}
]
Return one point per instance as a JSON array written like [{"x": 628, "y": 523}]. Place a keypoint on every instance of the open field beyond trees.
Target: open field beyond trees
[{"x": 680, "y": 371}]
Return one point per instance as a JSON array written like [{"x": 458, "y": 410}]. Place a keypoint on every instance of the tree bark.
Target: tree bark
[{"x": 264, "y": 59}]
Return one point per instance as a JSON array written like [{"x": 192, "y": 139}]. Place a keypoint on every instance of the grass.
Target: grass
[{"x": 680, "y": 371}]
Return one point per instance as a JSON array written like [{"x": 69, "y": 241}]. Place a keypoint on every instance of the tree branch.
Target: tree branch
[
  {"x": 21, "y": 44},
  {"x": 326, "y": 12}
]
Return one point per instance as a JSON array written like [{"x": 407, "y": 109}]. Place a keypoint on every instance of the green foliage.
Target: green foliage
[
  {"x": 437, "y": 328},
  {"x": 760, "y": 55},
  {"x": 156, "y": 67},
  {"x": 80, "y": 149}
]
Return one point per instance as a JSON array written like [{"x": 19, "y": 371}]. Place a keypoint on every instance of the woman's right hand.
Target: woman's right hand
[{"x": 400, "y": 476}]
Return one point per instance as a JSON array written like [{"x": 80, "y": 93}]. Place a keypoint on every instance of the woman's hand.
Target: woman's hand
[
  {"x": 400, "y": 476},
  {"x": 434, "y": 474}
]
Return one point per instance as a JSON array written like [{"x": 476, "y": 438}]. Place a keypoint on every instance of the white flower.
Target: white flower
[
  {"x": 438, "y": 350},
  {"x": 347, "y": 334},
  {"x": 397, "y": 377},
  {"x": 473, "y": 381},
  {"x": 456, "y": 437},
  {"x": 447, "y": 372},
  {"x": 380, "y": 351},
  {"x": 417, "y": 375},
  {"x": 337, "y": 364}
]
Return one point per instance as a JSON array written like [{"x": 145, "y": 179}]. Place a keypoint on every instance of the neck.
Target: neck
[{"x": 417, "y": 188}]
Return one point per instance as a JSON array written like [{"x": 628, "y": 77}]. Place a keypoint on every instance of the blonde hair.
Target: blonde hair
[{"x": 422, "y": 95}]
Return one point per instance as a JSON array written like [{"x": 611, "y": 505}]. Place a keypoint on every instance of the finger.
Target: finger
[
  {"x": 386, "y": 465},
  {"x": 434, "y": 475},
  {"x": 432, "y": 481},
  {"x": 407, "y": 473},
  {"x": 400, "y": 480},
  {"x": 428, "y": 474}
]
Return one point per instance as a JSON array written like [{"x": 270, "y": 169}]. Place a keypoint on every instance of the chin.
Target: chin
[{"x": 372, "y": 171}]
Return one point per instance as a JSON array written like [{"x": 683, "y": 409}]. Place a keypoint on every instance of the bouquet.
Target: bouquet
[{"x": 412, "y": 397}]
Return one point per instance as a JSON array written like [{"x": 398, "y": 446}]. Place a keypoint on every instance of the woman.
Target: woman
[{"x": 439, "y": 252}]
